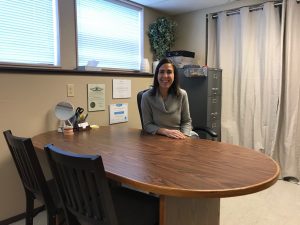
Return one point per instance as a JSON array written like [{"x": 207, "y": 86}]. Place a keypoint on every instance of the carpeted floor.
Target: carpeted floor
[{"x": 277, "y": 205}]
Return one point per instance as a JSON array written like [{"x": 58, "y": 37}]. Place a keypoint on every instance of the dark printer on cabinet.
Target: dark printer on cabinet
[{"x": 204, "y": 93}]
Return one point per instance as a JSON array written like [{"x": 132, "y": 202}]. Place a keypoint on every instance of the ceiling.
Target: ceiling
[{"x": 174, "y": 7}]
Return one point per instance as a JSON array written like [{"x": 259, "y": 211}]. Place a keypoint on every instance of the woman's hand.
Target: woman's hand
[{"x": 171, "y": 133}]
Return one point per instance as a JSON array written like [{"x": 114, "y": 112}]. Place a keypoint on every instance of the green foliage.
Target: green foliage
[{"x": 162, "y": 36}]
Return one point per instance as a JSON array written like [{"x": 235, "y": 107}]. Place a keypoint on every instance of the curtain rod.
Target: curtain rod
[{"x": 251, "y": 9}]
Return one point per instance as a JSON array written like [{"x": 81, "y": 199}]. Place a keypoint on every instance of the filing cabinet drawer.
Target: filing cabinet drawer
[
  {"x": 214, "y": 87},
  {"x": 213, "y": 116},
  {"x": 214, "y": 108}
]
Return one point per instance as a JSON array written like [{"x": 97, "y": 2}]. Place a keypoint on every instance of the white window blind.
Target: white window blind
[
  {"x": 109, "y": 32},
  {"x": 28, "y": 32}
]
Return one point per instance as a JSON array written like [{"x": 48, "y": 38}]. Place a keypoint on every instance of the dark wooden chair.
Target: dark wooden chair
[
  {"x": 33, "y": 179},
  {"x": 198, "y": 130},
  {"x": 139, "y": 102},
  {"x": 87, "y": 197}
]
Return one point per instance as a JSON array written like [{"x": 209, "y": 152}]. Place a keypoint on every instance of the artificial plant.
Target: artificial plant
[{"x": 161, "y": 36}]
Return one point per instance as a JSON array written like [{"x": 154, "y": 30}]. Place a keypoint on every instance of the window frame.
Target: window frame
[
  {"x": 66, "y": 28},
  {"x": 141, "y": 38},
  {"x": 57, "y": 45}
]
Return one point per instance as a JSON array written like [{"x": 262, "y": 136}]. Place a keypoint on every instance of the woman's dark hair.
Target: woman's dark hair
[{"x": 174, "y": 89}]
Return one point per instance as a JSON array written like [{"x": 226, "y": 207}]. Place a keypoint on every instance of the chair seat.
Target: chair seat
[{"x": 135, "y": 208}]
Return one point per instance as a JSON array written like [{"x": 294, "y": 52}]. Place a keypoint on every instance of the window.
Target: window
[
  {"x": 109, "y": 32},
  {"x": 28, "y": 32}
]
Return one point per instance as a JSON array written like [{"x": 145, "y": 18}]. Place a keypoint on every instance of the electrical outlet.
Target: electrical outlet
[{"x": 70, "y": 90}]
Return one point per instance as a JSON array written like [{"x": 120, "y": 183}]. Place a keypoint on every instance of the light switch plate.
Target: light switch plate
[{"x": 70, "y": 90}]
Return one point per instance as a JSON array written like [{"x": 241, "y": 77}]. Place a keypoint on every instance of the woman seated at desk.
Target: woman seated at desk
[{"x": 165, "y": 107}]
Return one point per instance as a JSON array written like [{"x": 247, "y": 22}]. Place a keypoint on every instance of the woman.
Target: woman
[{"x": 165, "y": 107}]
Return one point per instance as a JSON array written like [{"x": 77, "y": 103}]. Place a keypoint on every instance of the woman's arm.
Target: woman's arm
[
  {"x": 147, "y": 115},
  {"x": 177, "y": 134}
]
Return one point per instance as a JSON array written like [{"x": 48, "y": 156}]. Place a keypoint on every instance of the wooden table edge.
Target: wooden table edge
[
  {"x": 180, "y": 192},
  {"x": 175, "y": 192}
]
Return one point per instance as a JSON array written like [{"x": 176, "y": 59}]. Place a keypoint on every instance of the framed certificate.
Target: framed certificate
[
  {"x": 96, "y": 97},
  {"x": 118, "y": 113}
]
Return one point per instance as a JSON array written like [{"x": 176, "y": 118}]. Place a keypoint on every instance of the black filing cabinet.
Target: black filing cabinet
[{"x": 204, "y": 93}]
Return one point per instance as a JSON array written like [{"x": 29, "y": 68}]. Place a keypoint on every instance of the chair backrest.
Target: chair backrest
[
  {"x": 82, "y": 186},
  {"x": 29, "y": 168},
  {"x": 139, "y": 101}
]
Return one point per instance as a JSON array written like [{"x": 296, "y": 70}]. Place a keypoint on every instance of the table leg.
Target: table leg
[{"x": 189, "y": 211}]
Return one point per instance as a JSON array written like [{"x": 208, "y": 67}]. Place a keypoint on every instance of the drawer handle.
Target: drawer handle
[
  {"x": 214, "y": 115},
  {"x": 214, "y": 100},
  {"x": 215, "y": 91}
]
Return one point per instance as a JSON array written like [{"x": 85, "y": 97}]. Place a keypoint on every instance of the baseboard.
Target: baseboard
[{"x": 21, "y": 216}]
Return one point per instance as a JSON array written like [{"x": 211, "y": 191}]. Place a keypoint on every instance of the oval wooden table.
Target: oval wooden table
[{"x": 190, "y": 176}]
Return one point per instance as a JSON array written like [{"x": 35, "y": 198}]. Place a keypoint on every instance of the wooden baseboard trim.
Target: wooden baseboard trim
[{"x": 21, "y": 216}]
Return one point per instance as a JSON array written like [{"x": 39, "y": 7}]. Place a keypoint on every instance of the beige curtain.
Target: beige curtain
[
  {"x": 248, "y": 50},
  {"x": 259, "y": 55},
  {"x": 287, "y": 149}
]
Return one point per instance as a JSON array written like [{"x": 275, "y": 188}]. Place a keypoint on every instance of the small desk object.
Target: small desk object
[{"x": 190, "y": 176}]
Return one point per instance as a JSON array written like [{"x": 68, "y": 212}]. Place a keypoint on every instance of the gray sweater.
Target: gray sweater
[{"x": 173, "y": 113}]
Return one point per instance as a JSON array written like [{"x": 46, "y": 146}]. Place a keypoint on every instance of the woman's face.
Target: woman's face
[{"x": 165, "y": 76}]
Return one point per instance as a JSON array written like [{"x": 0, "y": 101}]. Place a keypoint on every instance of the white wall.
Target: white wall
[{"x": 191, "y": 32}]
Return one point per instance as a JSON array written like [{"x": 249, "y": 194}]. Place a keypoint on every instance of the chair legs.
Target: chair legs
[
  {"x": 30, "y": 214},
  {"x": 55, "y": 218},
  {"x": 51, "y": 219},
  {"x": 29, "y": 208},
  {"x": 71, "y": 219}
]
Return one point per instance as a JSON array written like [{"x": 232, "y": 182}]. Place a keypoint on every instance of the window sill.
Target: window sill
[{"x": 73, "y": 72}]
